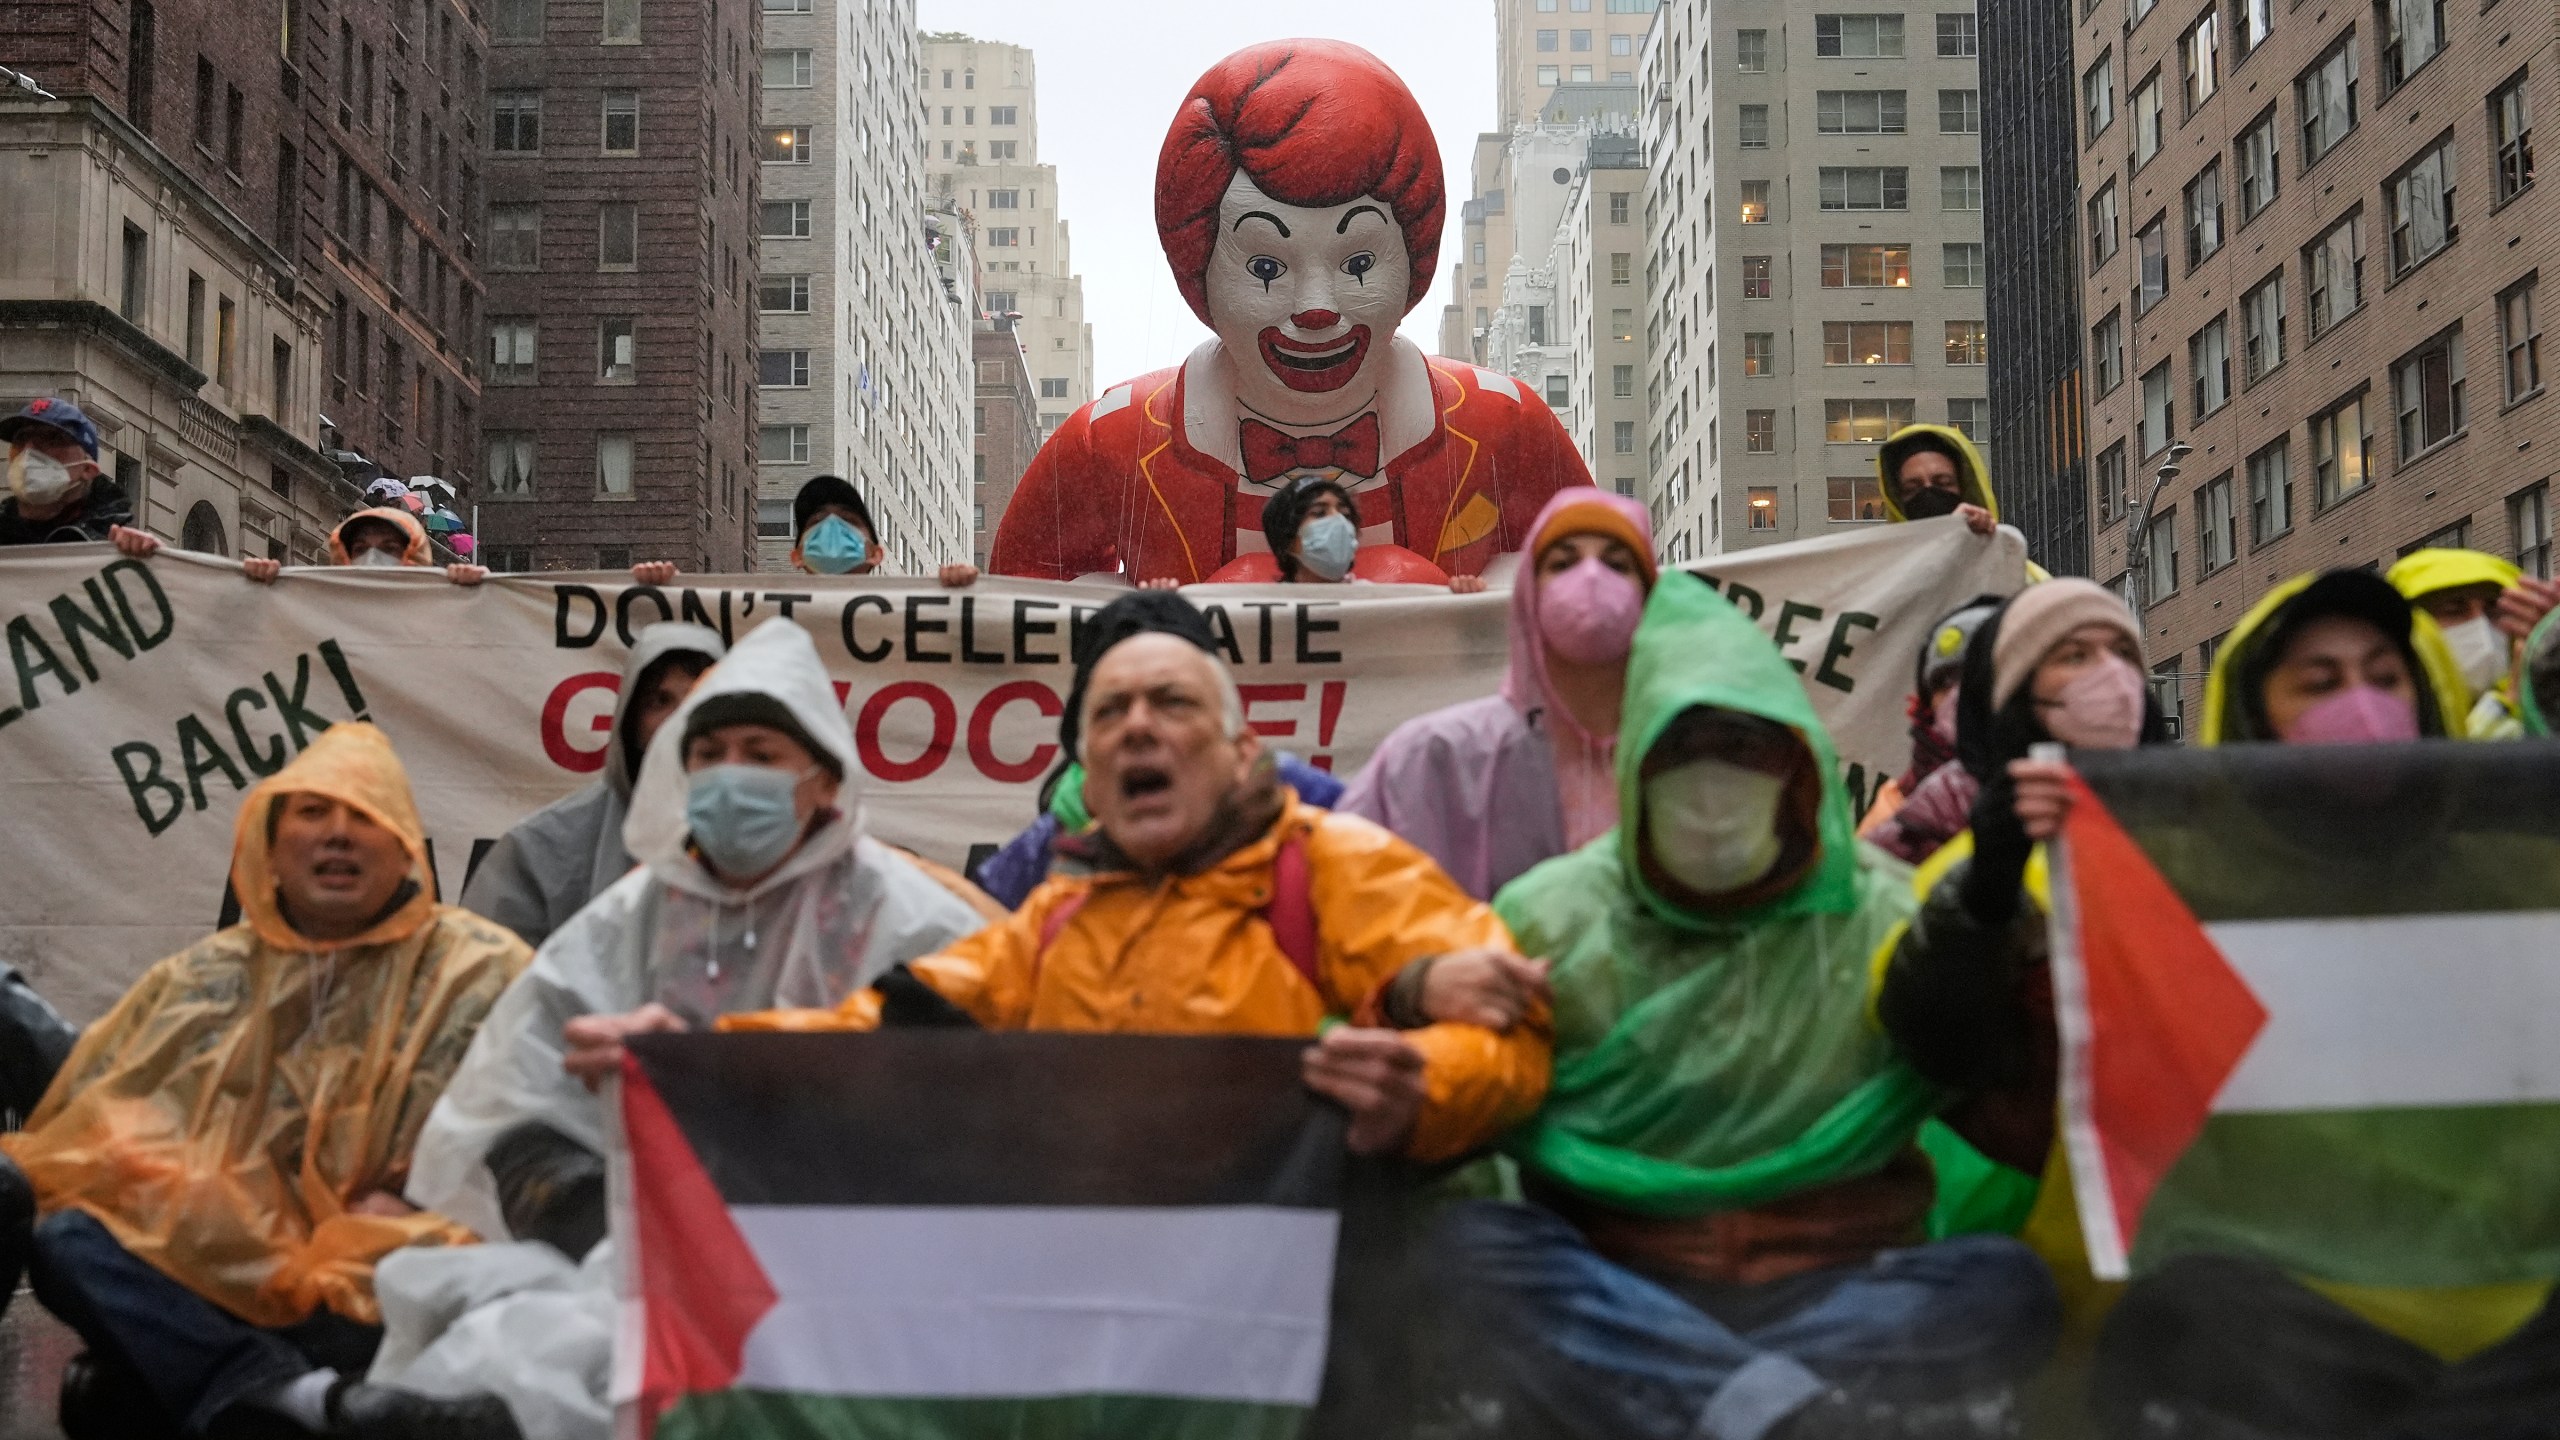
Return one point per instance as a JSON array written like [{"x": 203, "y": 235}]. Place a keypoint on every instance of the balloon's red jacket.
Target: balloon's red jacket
[{"x": 1118, "y": 487}]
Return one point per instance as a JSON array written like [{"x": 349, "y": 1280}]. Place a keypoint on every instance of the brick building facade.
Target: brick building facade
[{"x": 1007, "y": 426}]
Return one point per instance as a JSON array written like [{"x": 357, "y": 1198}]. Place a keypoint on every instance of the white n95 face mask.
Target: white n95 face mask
[
  {"x": 1713, "y": 825},
  {"x": 38, "y": 478},
  {"x": 2480, "y": 648}
]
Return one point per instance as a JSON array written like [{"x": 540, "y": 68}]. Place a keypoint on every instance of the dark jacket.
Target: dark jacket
[{"x": 102, "y": 509}]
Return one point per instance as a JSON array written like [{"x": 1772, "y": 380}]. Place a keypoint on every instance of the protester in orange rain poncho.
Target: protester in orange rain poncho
[{"x": 219, "y": 1164}]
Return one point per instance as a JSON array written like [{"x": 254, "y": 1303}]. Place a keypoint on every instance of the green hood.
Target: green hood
[
  {"x": 2538, "y": 695},
  {"x": 1720, "y": 1061},
  {"x": 1973, "y": 478},
  {"x": 1695, "y": 649}
]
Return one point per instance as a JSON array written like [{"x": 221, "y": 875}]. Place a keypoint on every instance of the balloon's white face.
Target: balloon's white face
[{"x": 1306, "y": 301}]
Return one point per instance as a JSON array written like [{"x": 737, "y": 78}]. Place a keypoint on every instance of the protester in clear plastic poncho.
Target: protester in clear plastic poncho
[
  {"x": 1726, "y": 1201},
  {"x": 243, "y": 1121},
  {"x": 1491, "y": 787},
  {"x": 561, "y": 856},
  {"x": 514, "y": 1150}
]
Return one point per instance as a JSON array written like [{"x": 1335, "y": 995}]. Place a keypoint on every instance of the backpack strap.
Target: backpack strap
[{"x": 1291, "y": 914}]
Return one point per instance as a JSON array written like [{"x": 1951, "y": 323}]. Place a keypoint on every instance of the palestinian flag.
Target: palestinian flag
[
  {"x": 928, "y": 1234},
  {"x": 2310, "y": 1009}
]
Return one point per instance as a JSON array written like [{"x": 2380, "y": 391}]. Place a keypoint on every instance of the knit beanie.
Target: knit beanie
[{"x": 2039, "y": 617}]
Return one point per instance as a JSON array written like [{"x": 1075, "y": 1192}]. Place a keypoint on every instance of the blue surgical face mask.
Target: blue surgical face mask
[
  {"x": 834, "y": 547},
  {"x": 1326, "y": 545},
  {"x": 742, "y": 816}
]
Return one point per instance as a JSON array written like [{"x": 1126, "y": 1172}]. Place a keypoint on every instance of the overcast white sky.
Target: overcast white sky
[{"x": 1111, "y": 74}]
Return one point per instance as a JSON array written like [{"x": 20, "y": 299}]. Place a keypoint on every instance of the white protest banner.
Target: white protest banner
[{"x": 146, "y": 696}]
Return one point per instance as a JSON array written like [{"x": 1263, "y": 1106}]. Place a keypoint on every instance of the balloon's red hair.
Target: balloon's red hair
[{"x": 1315, "y": 123}]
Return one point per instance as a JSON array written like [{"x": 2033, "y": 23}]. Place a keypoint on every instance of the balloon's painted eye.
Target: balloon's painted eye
[
  {"x": 1359, "y": 266},
  {"x": 1265, "y": 269}
]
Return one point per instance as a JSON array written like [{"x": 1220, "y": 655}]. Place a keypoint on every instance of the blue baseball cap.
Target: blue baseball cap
[{"x": 57, "y": 412}]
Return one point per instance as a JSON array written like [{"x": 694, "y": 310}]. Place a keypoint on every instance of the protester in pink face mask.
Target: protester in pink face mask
[
  {"x": 2337, "y": 659},
  {"x": 1493, "y": 786}
]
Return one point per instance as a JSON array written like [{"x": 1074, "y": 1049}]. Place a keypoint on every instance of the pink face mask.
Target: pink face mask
[
  {"x": 1588, "y": 614},
  {"x": 2100, "y": 709},
  {"x": 2357, "y": 715}
]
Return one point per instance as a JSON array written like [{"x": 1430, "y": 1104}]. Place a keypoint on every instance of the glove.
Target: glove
[{"x": 2000, "y": 852}]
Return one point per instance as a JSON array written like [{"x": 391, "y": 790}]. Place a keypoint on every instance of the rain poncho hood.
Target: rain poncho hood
[
  {"x": 2538, "y": 689},
  {"x": 1718, "y": 1061},
  {"x": 417, "y": 552},
  {"x": 841, "y": 910},
  {"x": 1973, "y": 478},
  {"x": 220, "y": 1120},
  {"x": 2424, "y": 572},
  {"x": 2233, "y": 708},
  {"x": 1491, "y": 787},
  {"x": 558, "y": 858}
]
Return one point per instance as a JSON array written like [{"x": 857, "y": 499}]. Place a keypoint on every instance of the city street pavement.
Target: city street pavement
[{"x": 32, "y": 1348}]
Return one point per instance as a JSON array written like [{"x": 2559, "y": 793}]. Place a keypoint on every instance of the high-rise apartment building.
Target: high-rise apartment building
[
  {"x": 2313, "y": 248},
  {"x": 1814, "y": 262},
  {"x": 867, "y": 286},
  {"x": 619, "y": 250},
  {"x": 1006, "y": 419},
  {"x": 982, "y": 152},
  {"x": 247, "y": 244},
  {"x": 2039, "y": 449}
]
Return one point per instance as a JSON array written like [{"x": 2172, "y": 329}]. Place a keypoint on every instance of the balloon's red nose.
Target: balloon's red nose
[{"x": 1315, "y": 319}]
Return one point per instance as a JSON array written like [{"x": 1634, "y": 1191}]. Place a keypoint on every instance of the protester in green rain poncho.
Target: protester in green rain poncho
[
  {"x": 1723, "y": 1234},
  {"x": 2538, "y": 679}
]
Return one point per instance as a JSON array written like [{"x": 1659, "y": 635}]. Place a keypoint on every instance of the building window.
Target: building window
[
  {"x": 1581, "y": 42},
  {"x": 784, "y": 220},
  {"x": 510, "y": 464},
  {"x": 1004, "y": 237},
  {"x": 2200, "y": 59},
  {"x": 2412, "y": 33},
  {"x": 2110, "y": 477},
  {"x": 2151, "y": 244},
  {"x": 1862, "y": 422},
  {"x": 1959, "y": 36},
  {"x": 2146, "y": 120},
  {"x": 2511, "y": 130},
  {"x": 783, "y": 294},
  {"x": 1622, "y": 268},
  {"x": 618, "y": 237},
  {"x": 1004, "y": 199},
  {"x": 1853, "y": 499},
  {"x": 782, "y": 369},
  {"x": 2422, "y": 207},
  {"x": 2333, "y": 274},
  {"x": 1967, "y": 343},
  {"x": 1619, "y": 205},
  {"x": 1622, "y": 437},
  {"x": 195, "y": 320},
  {"x": 1751, "y": 131},
  {"x": 782, "y": 444},
  {"x": 1959, "y": 112},
  {"x": 2529, "y": 526},
  {"x": 511, "y": 354},
  {"x": 1866, "y": 266},
  {"x": 2426, "y": 391},
  {"x": 515, "y": 237},
  {"x": 1004, "y": 115},
  {"x": 622, "y": 22},
  {"x": 1762, "y": 502},
  {"x": 622, "y": 122},
  {"x": 1755, "y": 277},
  {"x": 1053, "y": 388},
  {"x": 2217, "y": 537},
  {"x": 1549, "y": 75},
  {"x": 2204, "y": 213},
  {"x": 1002, "y": 151},
  {"x": 1760, "y": 432},
  {"x": 1559, "y": 392},
  {"x": 1622, "y": 324},
  {"x": 2270, "y": 492},
  {"x": 2097, "y": 98},
  {"x": 2339, "y": 450},
  {"x": 1547, "y": 41},
  {"x": 1003, "y": 302},
  {"x": 1537, "y": 324},
  {"x": 2106, "y": 352},
  {"x": 1622, "y": 381},
  {"x": 1959, "y": 187},
  {"x": 2325, "y": 98},
  {"x": 1866, "y": 342},
  {"x": 787, "y": 69},
  {"x": 1759, "y": 353},
  {"x": 1751, "y": 51},
  {"x": 1858, "y": 37},
  {"x": 617, "y": 358},
  {"x": 1865, "y": 187},
  {"x": 2520, "y": 338},
  {"x": 1755, "y": 202},
  {"x": 2160, "y": 560},
  {"x": 2255, "y": 154},
  {"x": 1969, "y": 416},
  {"x": 783, "y": 145},
  {"x": 2159, "y": 412},
  {"x": 2251, "y": 22},
  {"x": 1858, "y": 112},
  {"x": 2262, "y": 327},
  {"x": 2209, "y": 366},
  {"x": 515, "y": 122},
  {"x": 1961, "y": 262},
  {"x": 2106, "y": 226},
  {"x": 613, "y": 462}
]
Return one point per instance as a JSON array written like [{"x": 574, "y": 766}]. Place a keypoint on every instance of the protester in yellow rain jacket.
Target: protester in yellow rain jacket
[
  {"x": 1200, "y": 871},
  {"x": 220, "y": 1162},
  {"x": 2485, "y": 607},
  {"x": 1925, "y": 471}
]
